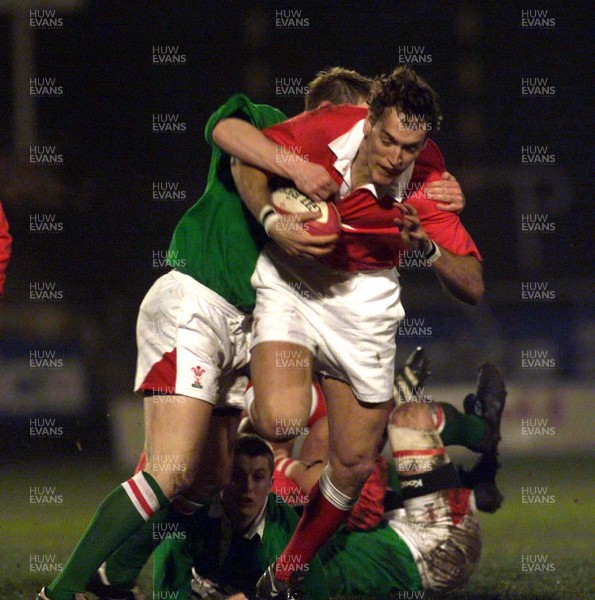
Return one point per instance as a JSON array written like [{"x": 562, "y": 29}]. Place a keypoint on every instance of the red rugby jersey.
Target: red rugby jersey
[{"x": 370, "y": 239}]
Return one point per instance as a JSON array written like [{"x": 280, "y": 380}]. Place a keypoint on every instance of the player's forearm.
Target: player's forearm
[
  {"x": 252, "y": 184},
  {"x": 461, "y": 276},
  {"x": 244, "y": 141}
]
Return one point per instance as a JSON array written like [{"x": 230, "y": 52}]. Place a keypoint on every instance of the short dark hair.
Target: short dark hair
[
  {"x": 337, "y": 86},
  {"x": 411, "y": 95},
  {"x": 252, "y": 445}
]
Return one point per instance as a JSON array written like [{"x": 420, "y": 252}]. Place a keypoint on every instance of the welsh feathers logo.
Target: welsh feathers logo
[{"x": 198, "y": 373}]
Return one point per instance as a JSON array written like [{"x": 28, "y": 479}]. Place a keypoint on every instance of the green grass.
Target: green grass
[{"x": 562, "y": 530}]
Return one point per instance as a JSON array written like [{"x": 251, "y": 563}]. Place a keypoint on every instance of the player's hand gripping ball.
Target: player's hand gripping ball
[{"x": 288, "y": 201}]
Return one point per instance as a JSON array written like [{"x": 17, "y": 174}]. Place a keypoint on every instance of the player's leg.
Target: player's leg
[
  {"x": 282, "y": 351},
  {"x": 487, "y": 404},
  {"x": 175, "y": 434},
  {"x": 293, "y": 478},
  {"x": 305, "y": 470},
  {"x": 124, "y": 565},
  {"x": 212, "y": 473},
  {"x": 478, "y": 428},
  {"x": 355, "y": 430},
  {"x": 439, "y": 526},
  {"x": 176, "y": 418},
  {"x": 282, "y": 379}
]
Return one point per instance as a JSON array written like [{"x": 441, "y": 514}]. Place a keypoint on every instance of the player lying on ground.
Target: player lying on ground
[
  {"x": 423, "y": 535},
  {"x": 192, "y": 337},
  {"x": 340, "y": 315},
  {"x": 294, "y": 478},
  {"x": 430, "y": 539},
  {"x": 478, "y": 429}
]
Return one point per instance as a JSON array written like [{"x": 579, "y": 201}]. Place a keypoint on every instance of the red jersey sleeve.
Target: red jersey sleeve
[{"x": 5, "y": 247}]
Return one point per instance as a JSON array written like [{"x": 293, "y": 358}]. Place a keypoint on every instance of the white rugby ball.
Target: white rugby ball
[{"x": 288, "y": 201}]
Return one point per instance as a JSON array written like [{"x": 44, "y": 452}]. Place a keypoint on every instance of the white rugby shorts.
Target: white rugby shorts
[
  {"x": 442, "y": 531},
  {"x": 191, "y": 342},
  {"x": 347, "y": 320}
]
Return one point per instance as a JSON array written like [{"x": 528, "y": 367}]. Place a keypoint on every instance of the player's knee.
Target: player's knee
[
  {"x": 414, "y": 415},
  {"x": 353, "y": 466},
  {"x": 282, "y": 423},
  {"x": 174, "y": 477}
]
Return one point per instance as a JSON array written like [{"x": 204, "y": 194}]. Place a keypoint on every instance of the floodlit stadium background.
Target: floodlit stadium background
[{"x": 514, "y": 86}]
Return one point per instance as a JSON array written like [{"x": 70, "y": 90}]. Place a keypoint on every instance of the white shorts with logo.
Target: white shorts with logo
[
  {"x": 347, "y": 320},
  {"x": 192, "y": 342},
  {"x": 443, "y": 534}
]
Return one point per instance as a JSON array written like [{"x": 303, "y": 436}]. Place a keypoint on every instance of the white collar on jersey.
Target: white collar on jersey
[
  {"x": 257, "y": 528},
  {"x": 345, "y": 148}
]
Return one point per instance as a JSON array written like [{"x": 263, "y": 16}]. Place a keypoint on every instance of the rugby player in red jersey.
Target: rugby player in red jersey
[
  {"x": 173, "y": 429},
  {"x": 179, "y": 416},
  {"x": 340, "y": 314}
]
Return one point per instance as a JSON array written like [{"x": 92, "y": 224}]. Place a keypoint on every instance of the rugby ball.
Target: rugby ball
[{"x": 289, "y": 201}]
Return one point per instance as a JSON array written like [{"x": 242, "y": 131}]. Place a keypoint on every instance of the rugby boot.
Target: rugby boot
[
  {"x": 100, "y": 586},
  {"x": 482, "y": 480},
  {"x": 487, "y": 403},
  {"x": 412, "y": 375},
  {"x": 205, "y": 589},
  {"x": 268, "y": 587}
]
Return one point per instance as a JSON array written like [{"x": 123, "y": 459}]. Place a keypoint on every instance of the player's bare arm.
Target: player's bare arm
[
  {"x": 447, "y": 193},
  {"x": 244, "y": 141},
  {"x": 461, "y": 276},
  {"x": 253, "y": 186}
]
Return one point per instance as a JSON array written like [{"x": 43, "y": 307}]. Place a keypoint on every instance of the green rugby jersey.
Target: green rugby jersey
[
  {"x": 369, "y": 563},
  {"x": 233, "y": 561},
  {"x": 217, "y": 241}
]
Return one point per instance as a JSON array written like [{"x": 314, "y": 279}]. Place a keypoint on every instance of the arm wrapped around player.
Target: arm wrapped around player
[{"x": 461, "y": 276}]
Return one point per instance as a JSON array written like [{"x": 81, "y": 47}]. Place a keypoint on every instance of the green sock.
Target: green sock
[
  {"x": 172, "y": 566},
  {"x": 125, "y": 564},
  {"x": 114, "y": 522},
  {"x": 461, "y": 429}
]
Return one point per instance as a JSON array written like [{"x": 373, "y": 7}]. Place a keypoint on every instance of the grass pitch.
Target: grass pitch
[{"x": 538, "y": 548}]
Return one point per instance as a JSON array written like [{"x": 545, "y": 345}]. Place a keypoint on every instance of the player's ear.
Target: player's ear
[{"x": 367, "y": 126}]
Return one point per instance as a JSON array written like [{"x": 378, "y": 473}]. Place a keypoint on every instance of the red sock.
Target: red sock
[{"x": 319, "y": 521}]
